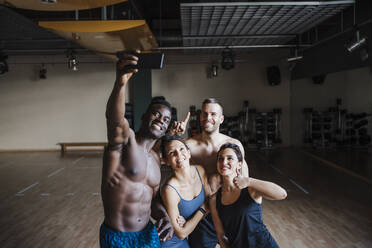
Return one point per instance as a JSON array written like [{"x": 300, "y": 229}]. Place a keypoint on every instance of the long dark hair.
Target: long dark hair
[
  {"x": 167, "y": 139},
  {"x": 234, "y": 147}
]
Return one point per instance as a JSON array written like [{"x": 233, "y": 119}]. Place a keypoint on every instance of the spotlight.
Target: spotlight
[
  {"x": 3, "y": 64},
  {"x": 228, "y": 61},
  {"x": 214, "y": 70},
  {"x": 357, "y": 42},
  {"x": 72, "y": 61},
  {"x": 43, "y": 72},
  {"x": 295, "y": 57}
]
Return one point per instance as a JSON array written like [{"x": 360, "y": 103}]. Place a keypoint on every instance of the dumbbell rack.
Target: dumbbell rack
[
  {"x": 244, "y": 119},
  {"x": 357, "y": 130},
  {"x": 319, "y": 128},
  {"x": 256, "y": 130},
  {"x": 264, "y": 129},
  {"x": 336, "y": 128},
  {"x": 231, "y": 126}
]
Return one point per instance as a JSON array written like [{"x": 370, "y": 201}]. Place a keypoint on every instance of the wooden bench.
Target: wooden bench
[{"x": 64, "y": 145}]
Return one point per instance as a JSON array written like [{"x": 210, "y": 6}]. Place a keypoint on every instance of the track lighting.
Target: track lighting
[
  {"x": 214, "y": 70},
  {"x": 295, "y": 56},
  {"x": 3, "y": 64},
  {"x": 72, "y": 62},
  {"x": 357, "y": 42}
]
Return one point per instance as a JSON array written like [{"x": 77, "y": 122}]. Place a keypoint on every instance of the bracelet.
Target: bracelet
[{"x": 202, "y": 210}]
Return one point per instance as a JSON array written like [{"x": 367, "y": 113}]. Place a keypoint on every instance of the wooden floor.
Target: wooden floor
[{"x": 53, "y": 201}]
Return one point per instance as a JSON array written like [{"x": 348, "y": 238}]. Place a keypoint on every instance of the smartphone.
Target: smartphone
[{"x": 147, "y": 60}]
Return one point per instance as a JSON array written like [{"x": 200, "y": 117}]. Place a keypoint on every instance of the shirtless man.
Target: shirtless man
[
  {"x": 131, "y": 171},
  {"x": 204, "y": 148}
]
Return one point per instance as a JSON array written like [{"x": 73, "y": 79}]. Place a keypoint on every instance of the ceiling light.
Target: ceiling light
[
  {"x": 295, "y": 56},
  {"x": 72, "y": 62},
  {"x": 357, "y": 42},
  {"x": 214, "y": 70}
]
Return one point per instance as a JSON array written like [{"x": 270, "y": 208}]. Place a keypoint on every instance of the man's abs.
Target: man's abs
[{"x": 127, "y": 209}]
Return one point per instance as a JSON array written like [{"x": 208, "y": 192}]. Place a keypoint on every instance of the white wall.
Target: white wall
[
  {"x": 353, "y": 86},
  {"x": 186, "y": 84},
  {"x": 67, "y": 106}
]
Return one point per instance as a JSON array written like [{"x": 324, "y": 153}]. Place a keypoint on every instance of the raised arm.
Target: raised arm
[
  {"x": 118, "y": 129},
  {"x": 217, "y": 223},
  {"x": 259, "y": 188},
  {"x": 267, "y": 190},
  {"x": 171, "y": 200}
]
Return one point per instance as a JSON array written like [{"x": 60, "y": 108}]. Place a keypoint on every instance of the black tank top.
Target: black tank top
[{"x": 242, "y": 222}]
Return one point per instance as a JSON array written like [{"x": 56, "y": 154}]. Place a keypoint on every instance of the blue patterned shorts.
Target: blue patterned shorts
[{"x": 147, "y": 238}]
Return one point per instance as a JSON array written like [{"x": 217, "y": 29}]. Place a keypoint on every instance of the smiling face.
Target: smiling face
[
  {"x": 211, "y": 117},
  {"x": 156, "y": 119},
  {"x": 177, "y": 154},
  {"x": 228, "y": 162}
]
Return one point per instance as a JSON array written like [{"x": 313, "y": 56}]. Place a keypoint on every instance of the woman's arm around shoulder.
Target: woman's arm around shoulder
[{"x": 268, "y": 190}]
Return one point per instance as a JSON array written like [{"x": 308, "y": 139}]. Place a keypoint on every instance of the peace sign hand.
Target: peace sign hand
[
  {"x": 179, "y": 127},
  {"x": 240, "y": 181}
]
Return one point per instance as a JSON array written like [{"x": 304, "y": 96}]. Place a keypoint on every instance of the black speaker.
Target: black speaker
[
  {"x": 273, "y": 75},
  {"x": 319, "y": 79}
]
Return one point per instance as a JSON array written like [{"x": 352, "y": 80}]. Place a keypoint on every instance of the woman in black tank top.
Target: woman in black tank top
[{"x": 236, "y": 207}]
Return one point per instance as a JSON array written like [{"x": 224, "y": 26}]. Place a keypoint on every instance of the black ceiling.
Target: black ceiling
[{"x": 19, "y": 32}]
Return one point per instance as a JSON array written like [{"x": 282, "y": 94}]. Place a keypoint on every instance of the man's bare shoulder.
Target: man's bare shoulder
[
  {"x": 196, "y": 138},
  {"x": 228, "y": 139},
  {"x": 115, "y": 146},
  {"x": 194, "y": 141}
]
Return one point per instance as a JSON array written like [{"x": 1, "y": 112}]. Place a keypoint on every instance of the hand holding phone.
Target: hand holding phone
[{"x": 146, "y": 60}]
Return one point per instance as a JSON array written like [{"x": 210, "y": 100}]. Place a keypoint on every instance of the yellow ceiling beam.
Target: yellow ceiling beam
[
  {"x": 92, "y": 26},
  {"x": 106, "y": 37}
]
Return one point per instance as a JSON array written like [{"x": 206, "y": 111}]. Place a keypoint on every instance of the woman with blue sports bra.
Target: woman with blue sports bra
[{"x": 184, "y": 193}]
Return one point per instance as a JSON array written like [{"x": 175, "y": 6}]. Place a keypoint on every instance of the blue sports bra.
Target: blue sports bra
[{"x": 188, "y": 207}]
